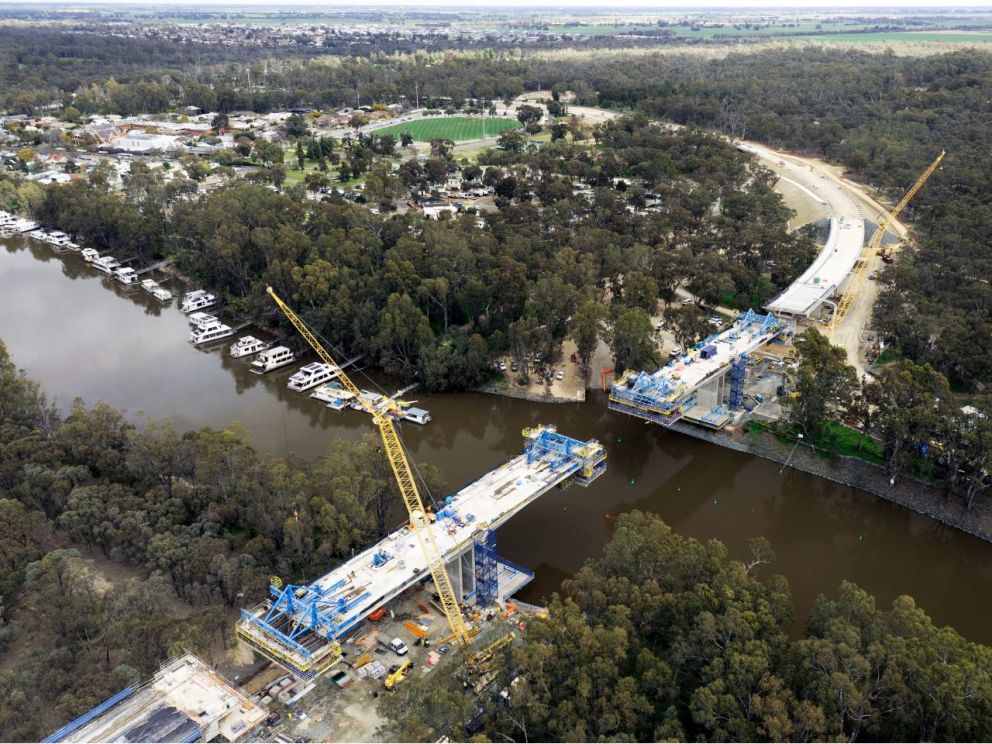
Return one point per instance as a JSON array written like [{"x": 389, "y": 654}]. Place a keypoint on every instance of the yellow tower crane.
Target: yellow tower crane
[
  {"x": 420, "y": 521},
  {"x": 874, "y": 247}
]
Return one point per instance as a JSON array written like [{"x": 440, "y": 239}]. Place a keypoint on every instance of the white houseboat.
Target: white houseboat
[
  {"x": 246, "y": 346},
  {"x": 90, "y": 254},
  {"x": 197, "y": 301},
  {"x": 126, "y": 275},
  {"x": 333, "y": 395},
  {"x": 202, "y": 320},
  {"x": 106, "y": 264},
  {"x": 156, "y": 290},
  {"x": 271, "y": 359},
  {"x": 417, "y": 415},
  {"x": 212, "y": 332},
  {"x": 311, "y": 375}
]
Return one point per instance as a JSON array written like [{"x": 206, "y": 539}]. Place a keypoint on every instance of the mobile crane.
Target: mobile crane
[
  {"x": 860, "y": 271},
  {"x": 420, "y": 520}
]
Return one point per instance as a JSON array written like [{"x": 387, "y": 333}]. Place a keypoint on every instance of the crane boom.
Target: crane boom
[
  {"x": 860, "y": 270},
  {"x": 419, "y": 520}
]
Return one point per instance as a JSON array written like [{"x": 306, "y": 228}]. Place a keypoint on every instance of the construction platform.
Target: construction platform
[
  {"x": 299, "y": 627},
  {"x": 668, "y": 394},
  {"x": 185, "y": 701}
]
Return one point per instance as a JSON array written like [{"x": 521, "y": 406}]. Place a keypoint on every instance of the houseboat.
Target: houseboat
[
  {"x": 271, "y": 359},
  {"x": 311, "y": 375},
  {"x": 208, "y": 333},
  {"x": 106, "y": 264},
  {"x": 246, "y": 346},
  {"x": 156, "y": 290},
  {"x": 202, "y": 320},
  {"x": 126, "y": 275},
  {"x": 198, "y": 300},
  {"x": 333, "y": 395},
  {"x": 417, "y": 415},
  {"x": 90, "y": 254}
]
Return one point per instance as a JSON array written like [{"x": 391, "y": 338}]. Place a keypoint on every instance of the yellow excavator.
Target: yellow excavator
[
  {"x": 397, "y": 676},
  {"x": 874, "y": 247}
]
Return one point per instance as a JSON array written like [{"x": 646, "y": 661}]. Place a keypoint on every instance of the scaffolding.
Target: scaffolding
[
  {"x": 486, "y": 568},
  {"x": 738, "y": 374},
  {"x": 668, "y": 394}
]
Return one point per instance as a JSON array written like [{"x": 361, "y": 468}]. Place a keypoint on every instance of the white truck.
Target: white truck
[{"x": 396, "y": 645}]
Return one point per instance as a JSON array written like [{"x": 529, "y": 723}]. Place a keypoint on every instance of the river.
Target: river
[{"x": 79, "y": 334}]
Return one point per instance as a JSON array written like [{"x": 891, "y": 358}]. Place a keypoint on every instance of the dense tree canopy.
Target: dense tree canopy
[{"x": 666, "y": 638}]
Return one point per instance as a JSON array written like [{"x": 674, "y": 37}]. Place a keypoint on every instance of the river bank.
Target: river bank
[{"x": 906, "y": 492}]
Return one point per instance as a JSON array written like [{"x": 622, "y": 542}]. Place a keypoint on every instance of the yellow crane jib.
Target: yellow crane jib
[
  {"x": 860, "y": 270},
  {"x": 419, "y": 518}
]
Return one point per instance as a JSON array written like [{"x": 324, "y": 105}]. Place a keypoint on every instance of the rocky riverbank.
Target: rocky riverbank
[{"x": 916, "y": 495}]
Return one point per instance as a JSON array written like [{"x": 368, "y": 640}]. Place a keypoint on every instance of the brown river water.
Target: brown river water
[{"x": 80, "y": 334}]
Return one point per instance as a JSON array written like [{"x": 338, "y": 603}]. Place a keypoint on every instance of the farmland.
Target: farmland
[{"x": 455, "y": 128}]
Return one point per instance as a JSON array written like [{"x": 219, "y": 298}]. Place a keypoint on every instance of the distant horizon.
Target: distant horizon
[{"x": 630, "y": 5}]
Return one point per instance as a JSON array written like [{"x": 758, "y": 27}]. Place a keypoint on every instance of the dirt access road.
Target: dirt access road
[{"x": 814, "y": 189}]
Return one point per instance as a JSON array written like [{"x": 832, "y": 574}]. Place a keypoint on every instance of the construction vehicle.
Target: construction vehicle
[
  {"x": 396, "y": 645},
  {"x": 420, "y": 519},
  {"x": 483, "y": 661},
  {"x": 863, "y": 265},
  {"x": 397, "y": 676}
]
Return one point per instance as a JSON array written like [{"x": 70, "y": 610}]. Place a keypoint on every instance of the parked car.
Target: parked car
[
  {"x": 677, "y": 351},
  {"x": 502, "y": 366},
  {"x": 560, "y": 374},
  {"x": 515, "y": 366},
  {"x": 688, "y": 301}
]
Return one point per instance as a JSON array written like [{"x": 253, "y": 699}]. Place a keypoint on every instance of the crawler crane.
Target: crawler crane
[
  {"x": 420, "y": 520},
  {"x": 874, "y": 247}
]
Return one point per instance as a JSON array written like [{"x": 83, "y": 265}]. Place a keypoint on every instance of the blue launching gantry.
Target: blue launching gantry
[
  {"x": 586, "y": 459},
  {"x": 300, "y": 613},
  {"x": 658, "y": 398},
  {"x": 668, "y": 394}
]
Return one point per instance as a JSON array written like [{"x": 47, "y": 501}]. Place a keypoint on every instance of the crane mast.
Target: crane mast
[
  {"x": 420, "y": 521},
  {"x": 874, "y": 246}
]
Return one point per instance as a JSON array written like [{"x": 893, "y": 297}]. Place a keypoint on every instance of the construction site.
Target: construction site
[
  {"x": 362, "y": 618},
  {"x": 434, "y": 593},
  {"x": 303, "y": 628}
]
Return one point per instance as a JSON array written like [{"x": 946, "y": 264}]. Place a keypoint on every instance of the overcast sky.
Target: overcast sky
[{"x": 584, "y": 4}]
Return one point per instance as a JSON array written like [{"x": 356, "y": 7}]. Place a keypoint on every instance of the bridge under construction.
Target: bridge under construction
[
  {"x": 300, "y": 627},
  {"x": 670, "y": 393}
]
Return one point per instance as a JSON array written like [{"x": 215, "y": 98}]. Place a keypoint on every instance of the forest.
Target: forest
[
  {"x": 665, "y": 638},
  {"x": 437, "y": 299},
  {"x": 883, "y": 116},
  {"x": 184, "y": 524}
]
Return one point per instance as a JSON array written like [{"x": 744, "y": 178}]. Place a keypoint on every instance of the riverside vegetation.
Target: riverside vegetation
[{"x": 663, "y": 637}]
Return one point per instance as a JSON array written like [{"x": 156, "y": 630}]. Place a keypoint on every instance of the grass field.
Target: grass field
[{"x": 454, "y": 128}]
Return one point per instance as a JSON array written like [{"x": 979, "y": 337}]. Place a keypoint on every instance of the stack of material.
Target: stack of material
[
  {"x": 375, "y": 670},
  {"x": 362, "y": 661},
  {"x": 433, "y": 658}
]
